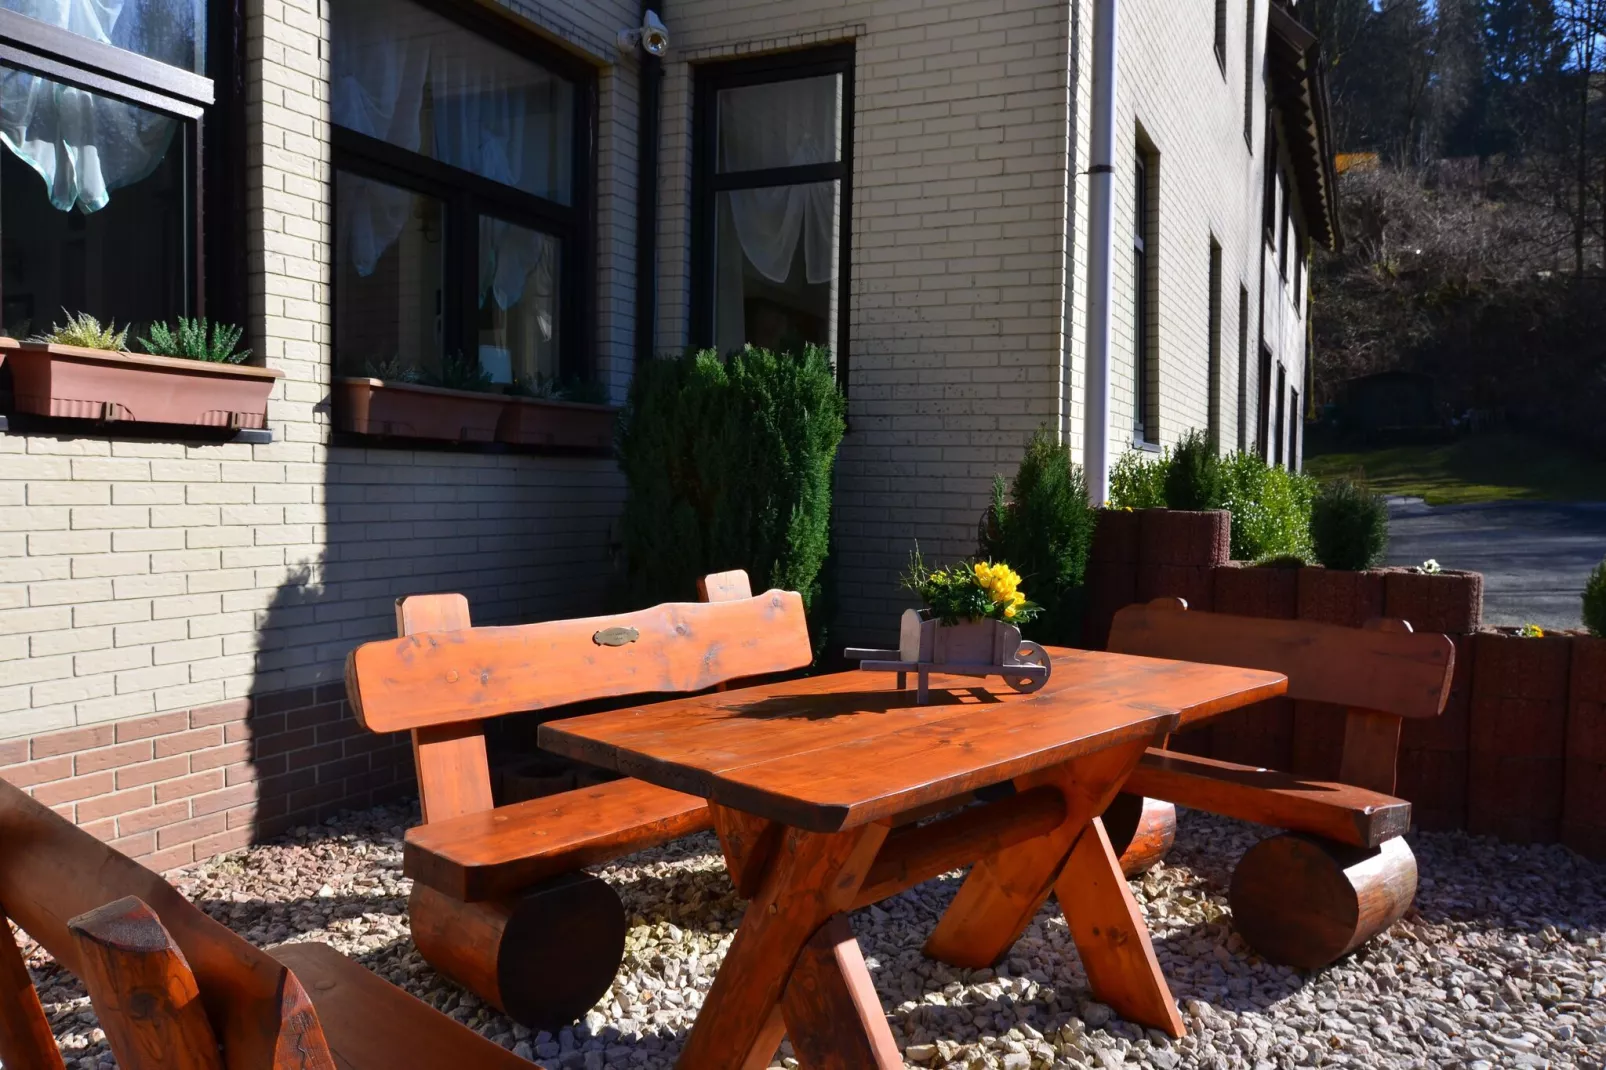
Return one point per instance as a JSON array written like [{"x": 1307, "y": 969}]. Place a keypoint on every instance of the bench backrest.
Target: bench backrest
[
  {"x": 443, "y": 678},
  {"x": 1379, "y": 673},
  {"x": 52, "y": 872}
]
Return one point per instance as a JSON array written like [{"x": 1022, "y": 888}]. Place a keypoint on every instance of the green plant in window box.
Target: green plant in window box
[
  {"x": 195, "y": 339},
  {"x": 460, "y": 373},
  {"x": 393, "y": 370},
  {"x": 551, "y": 388},
  {"x": 86, "y": 332}
]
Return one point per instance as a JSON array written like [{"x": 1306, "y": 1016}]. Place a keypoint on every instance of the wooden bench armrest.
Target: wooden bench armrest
[
  {"x": 1339, "y": 812},
  {"x": 371, "y": 1024}
]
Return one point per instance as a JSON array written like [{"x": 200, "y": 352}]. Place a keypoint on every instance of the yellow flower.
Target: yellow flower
[
  {"x": 1018, "y": 599},
  {"x": 1009, "y": 611}
]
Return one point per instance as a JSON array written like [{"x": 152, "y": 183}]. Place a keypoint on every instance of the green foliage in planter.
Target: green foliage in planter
[
  {"x": 194, "y": 340},
  {"x": 551, "y": 388},
  {"x": 1042, "y": 524},
  {"x": 1282, "y": 561},
  {"x": 1270, "y": 508},
  {"x": 85, "y": 331},
  {"x": 1349, "y": 526},
  {"x": 1193, "y": 477},
  {"x": 1595, "y": 602},
  {"x": 458, "y": 372},
  {"x": 728, "y": 465},
  {"x": 1138, "y": 480},
  {"x": 394, "y": 370}
]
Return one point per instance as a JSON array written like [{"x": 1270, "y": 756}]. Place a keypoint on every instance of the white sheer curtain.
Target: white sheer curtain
[
  {"x": 784, "y": 124},
  {"x": 417, "y": 81},
  {"x": 83, "y": 145}
]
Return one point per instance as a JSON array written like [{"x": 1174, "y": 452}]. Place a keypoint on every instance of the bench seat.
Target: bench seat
[
  {"x": 497, "y": 853},
  {"x": 370, "y": 1024},
  {"x": 1350, "y": 815}
]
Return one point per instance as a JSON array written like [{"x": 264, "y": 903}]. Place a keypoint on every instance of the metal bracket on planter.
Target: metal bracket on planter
[{"x": 254, "y": 436}]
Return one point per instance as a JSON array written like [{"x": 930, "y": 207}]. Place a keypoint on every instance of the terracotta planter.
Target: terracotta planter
[
  {"x": 1337, "y": 596},
  {"x": 1247, "y": 591},
  {"x": 567, "y": 424},
  {"x": 94, "y": 384},
  {"x": 1518, "y": 736},
  {"x": 6, "y": 346},
  {"x": 1115, "y": 537},
  {"x": 1182, "y": 537},
  {"x": 1583, "y": 821},
  {"x": 1449, "y": 602},
  {"x": 1435, "y": 752},
  {"x": 366, "y": 406}
]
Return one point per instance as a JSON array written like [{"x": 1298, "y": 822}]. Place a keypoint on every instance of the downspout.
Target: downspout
[
  {"x": 1100, "y": 253},
  {"x": 652, "y": 77}
]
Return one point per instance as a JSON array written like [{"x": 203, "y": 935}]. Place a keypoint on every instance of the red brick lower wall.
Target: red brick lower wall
[{"x": 177, "y": 787}]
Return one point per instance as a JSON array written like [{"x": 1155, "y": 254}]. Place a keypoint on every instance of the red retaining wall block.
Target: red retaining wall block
[
  {"x": 1112, "y": 579},
  {"x": 1247, "y": 591},
  {"x": 1434, "y": 752},
  {"x": 1448, "y": 602},
  {"x": 1518, "y": 736},
  {"x": 1336, "y": 596},
  {"x": 1583, "y": 822},
  {"x": 1183, "y": 537},
  {"x": 1262, "y": 734}
]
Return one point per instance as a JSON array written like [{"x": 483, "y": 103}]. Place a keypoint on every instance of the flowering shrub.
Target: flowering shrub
[{"x": 970, "y": 592}]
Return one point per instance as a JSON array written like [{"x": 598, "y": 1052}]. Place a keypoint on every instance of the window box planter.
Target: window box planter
[
  {"x": 366, "y": 406},
  {"x": 546, "y": 422},
  {"x": 1448, "y": 601},
  {"x": 96, "y": 384}
]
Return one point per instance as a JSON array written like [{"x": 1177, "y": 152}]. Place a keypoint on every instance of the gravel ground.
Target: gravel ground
[{"x": 1501, "y": 964}]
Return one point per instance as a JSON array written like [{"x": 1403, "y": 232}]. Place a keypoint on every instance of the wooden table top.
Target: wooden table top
[{"x": 826, "y": 753}]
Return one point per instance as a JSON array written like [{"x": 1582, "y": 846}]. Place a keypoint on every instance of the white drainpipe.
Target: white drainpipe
[{"x": 1100, "y": 253}]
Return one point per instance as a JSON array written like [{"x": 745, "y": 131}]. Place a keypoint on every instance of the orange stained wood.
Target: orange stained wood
[
  {"x": 1340, "y": 812},
  {"x": 51, "y": 872},
  {"x": 1004, "y": 890},
  {"x": 492, "y": 853},
  {"x": 811, "y": 877},
  {"x": 748, "y": 843},
  {"x": 26, "y": 1041},
  {"x": 832, "y": 1013},
  {"x": 730, "y": 586},
  {"x": 143, "y": 992},
  {"x": 454, "y": 772},
  {"x": 1371, "y": 750},
  {"x": 1383, "y": 668},
  {"x": 436, "y": 678},
  {"x": 1110, "y": 934},
  {"x": 373, "y": 1025},
  {"x": 837, "y": 751}
]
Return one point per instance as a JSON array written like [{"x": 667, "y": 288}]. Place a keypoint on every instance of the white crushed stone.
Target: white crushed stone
[{"x": 1501, "y": 963}]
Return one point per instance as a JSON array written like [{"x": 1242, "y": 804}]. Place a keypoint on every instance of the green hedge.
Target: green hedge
[
  {"x": 1270, "y": 506},
  {"x": 1042, "y": 527},
  {"x": 1595, "y": 601},
  {"x": 728, "y": 465}
]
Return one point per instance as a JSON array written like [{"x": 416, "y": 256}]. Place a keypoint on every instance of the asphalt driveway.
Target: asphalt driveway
[{"x": 1534, "y": 556}]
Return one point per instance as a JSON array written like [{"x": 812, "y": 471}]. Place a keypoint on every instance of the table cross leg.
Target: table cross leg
[
  {"x": 1111, "y": 936},
  {"x": 1005, "y": 890},
  {"x": 810, "y": 877},
  {"x": 832, "y": 1012}
]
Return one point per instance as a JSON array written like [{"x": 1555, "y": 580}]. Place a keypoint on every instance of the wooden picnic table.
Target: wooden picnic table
[{"x": 812, "y": 784}]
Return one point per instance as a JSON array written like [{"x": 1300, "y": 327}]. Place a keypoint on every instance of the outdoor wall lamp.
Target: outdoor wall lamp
[{"x": 652, "y": 36}]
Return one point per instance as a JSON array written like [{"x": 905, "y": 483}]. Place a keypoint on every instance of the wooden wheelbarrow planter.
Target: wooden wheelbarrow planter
[
  {"x": 1342, "y": 871},
  {"x": 500, "y": 903},
  {"x": 973, "y": 648}
]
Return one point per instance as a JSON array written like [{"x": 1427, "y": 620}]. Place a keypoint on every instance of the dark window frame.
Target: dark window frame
[
  {"x": 707, "y": 181},
  {"x": 1243, "y": 368},
  {"x": 1221, "y": 36},
  {"x": 1213, "y": 370},
  {"x": 1145, "y": 387},
  {"x": 465, "y": 196},
  {"x": 1249, "y": 78},
  {"x": 27, "y": 44}
]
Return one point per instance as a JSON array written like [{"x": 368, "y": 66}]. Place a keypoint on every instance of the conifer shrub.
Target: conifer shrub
[
  {"x": 1595, "y": 602},
  {"x": 1041, "y": 523},
  {"x": 1193, "y": 476},
  {"x": 727, "y": 464},
  {"x": 1349, "y": 526}
]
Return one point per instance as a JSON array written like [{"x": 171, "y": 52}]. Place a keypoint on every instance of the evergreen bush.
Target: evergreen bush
[
  {"x": 1138, "y": 480},
  {"x": 1349, "y": 526},
  {"x": 1193, "y": 476},
  {"x": 1270, "y": 508},
  {"x": 1595, "y": 602},
  {"x": 727, "y": 464},
  {"x": 1042, "y": 526}
]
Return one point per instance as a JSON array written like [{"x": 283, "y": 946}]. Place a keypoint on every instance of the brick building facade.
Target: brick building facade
[{"x": 174, "y": 613}]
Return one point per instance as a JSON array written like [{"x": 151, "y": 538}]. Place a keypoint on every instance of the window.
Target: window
[
  {"x": 1285, "y": 227},
  {"x": 1295, "y": 422},
  {"x": 1278, "y": 430},
  {"x": 774, "y": 165},
  {"x": 101, "y": 123},
  {"x": 1213, "y": 344},
  {"x": 1243, "y": 368},
  {"x": 1263, "y": 403},
  {"x": 461, "y": 195},
  {"x": 1301, "y": 252},
  {"x": 1143, "y": 386},
  {"x": 1250, "y": 70},
  {"x": 1268, "y": 206},
  {"x": 1221, "y": 36}
]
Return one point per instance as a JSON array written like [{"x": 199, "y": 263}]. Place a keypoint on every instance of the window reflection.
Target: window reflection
[
  {"x": 518, "y": 298},
  {"x": 389, "y": 246}
]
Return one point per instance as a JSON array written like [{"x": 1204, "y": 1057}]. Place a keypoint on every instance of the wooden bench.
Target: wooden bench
[
  {"x": 500, "y": 902},
  {"x": 175, "y": 990},
  {"x": 1342, "y": 872}
]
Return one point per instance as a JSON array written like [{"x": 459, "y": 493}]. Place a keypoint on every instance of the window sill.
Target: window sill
[
  {"x": 372, "y": 412},
  {"x": 1143, "y": 445},
  {"x": 130, "y": 431}
]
